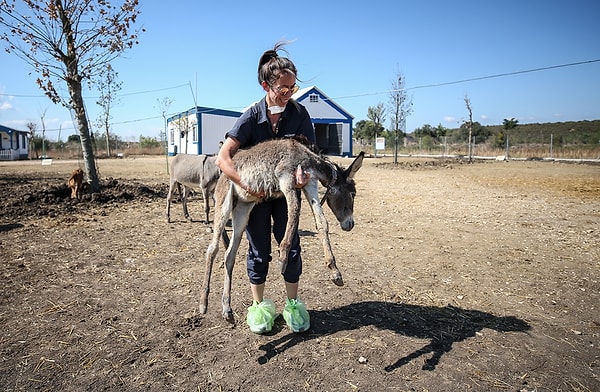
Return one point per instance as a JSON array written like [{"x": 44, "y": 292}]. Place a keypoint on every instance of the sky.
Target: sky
[{"x": 533, "y": 60}]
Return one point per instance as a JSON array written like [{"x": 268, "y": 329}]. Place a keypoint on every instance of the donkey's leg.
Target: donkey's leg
[
  {"x": 169, "y": 198},
  {"x": 222, "y": 213},
  {"x": 240, "y": 217},
  {"x": 312, "y": 196},
  {"x": 184, "y": 196},
  {"x": 293, "y": 207}
]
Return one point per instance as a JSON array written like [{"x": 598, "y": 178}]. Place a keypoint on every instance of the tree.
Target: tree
[
  {"x": 69, "y": 41},
  {"x": 108, "y": 87},
  {"x": 441, "y": 131},
  {"x": 477, "y": 132},
  {"x": 507, "y": 125},
  {"x": 365, "y": 131},
  {"x": 400, "y": 108},
  {"x": 163, "y": 106},
  {"x": 42, "y": 116},
  {"x": 184, "y": 126},
  {"x": 149, "y": 142},
  {"x": 425, "y": 130},
  {"x": 510, "y": 124},
  {"x": 32, "y": 129},
  {"x": 377, "y": 116},
  {"x": 469, "y": 125}
]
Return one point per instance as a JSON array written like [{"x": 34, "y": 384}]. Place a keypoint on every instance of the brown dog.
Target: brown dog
[{"x": 75, "y": 183}]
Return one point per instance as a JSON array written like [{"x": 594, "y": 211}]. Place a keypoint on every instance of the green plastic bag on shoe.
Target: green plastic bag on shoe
[
  {"x": 296, "y": 316},
  {"x": 261, "y": 316}
]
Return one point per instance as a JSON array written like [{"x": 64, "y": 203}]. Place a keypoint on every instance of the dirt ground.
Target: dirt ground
[{"x": 459, "y": 277}]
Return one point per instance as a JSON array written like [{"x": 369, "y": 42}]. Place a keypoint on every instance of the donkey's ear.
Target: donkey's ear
[{"x": 351, "y": 171}]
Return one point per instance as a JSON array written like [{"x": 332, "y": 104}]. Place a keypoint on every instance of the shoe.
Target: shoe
[
  {"x": 296, "y": 316},
  {"x": 261, "y": 316}
]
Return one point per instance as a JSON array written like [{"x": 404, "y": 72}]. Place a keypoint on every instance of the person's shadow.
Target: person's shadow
[{"x": 441, "y": 325}]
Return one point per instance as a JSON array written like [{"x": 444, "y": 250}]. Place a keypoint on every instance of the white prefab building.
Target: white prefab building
[
  {"x": 200, "y": 129},
  {"x": 14, "y": 144},
  {"x": 333, "y": 125}
]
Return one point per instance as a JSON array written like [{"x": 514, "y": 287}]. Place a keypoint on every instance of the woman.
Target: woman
[{"x": 274, "y": 116}]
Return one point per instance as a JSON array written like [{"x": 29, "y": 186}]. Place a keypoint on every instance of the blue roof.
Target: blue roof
[
  {"x": 10, "y": 130},
  {"x": 202, "y": 110}
]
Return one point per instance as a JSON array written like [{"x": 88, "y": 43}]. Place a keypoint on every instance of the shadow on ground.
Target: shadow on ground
[{"x": 443, "y": 326}]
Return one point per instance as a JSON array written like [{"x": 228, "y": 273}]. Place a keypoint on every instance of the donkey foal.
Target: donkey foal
[{"x": 270, "y": 167}]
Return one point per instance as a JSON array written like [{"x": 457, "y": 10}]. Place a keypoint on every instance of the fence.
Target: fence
[{"x": 9, "y": 155}]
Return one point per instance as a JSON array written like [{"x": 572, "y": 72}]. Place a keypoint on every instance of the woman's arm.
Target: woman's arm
[{"x": 225, "y": 163}]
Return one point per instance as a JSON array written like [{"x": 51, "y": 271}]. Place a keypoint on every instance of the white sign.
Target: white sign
[{"x": 380, "y": 143}]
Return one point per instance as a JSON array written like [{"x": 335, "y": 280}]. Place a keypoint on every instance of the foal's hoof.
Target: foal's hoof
[
  {"x": 202, "y": 309},
  {"x": 337, "y": 279},
  {"x": 228, "y": 316}
]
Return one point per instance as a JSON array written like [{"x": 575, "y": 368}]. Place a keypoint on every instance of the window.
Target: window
[
  {"x": 194, "y": 131},
  {"x": 313, "y": 98}
]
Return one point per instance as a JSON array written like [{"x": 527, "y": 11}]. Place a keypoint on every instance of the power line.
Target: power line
[
  {"x": 121, "y": 95},
  {"x": 350, "y": 96},
  {"x": 475, "y": 79}
]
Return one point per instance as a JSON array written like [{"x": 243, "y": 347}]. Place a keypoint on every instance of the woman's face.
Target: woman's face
[{"x": 282, "y": 90}]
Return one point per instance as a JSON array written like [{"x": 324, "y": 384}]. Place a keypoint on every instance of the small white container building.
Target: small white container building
[
  {"x": 14, "y": 144},
  {"x": 201, "y": 129}
]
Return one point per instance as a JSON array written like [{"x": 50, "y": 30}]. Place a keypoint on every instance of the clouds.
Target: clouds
[{"x": 5, "y": 103}]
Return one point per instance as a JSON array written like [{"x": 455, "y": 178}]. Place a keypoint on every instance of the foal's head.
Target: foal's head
[{"x": 340, "y": 194}]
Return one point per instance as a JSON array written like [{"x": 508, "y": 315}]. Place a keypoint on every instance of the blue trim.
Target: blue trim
[
  {"x": 317, "y": 120},
  {"x": 198, "y": 132}
]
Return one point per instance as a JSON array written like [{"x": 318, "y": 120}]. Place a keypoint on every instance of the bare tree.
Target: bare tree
[
  {"x": 69, "y": 41},
  {"x": 470, "y": 125},
  {"x": 163, "y": 107},
  {"x": 32, "y": 129},
  {"x": 108, "y": 88},
  {"x": 184, "y": 125},
  {"x": 42, "y": 116},
  {"x": 400, "y": 107},
  {"x": 377, "y": 116}
]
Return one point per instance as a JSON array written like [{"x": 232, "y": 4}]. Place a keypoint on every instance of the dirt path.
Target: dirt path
[{"x": 481, "y": 277}]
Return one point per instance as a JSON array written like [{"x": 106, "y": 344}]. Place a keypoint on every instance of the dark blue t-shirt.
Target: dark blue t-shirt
[{"x": 254, "y": 126}]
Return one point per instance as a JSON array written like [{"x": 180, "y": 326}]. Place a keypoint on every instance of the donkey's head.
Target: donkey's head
[{"x": 341, "y": 192}]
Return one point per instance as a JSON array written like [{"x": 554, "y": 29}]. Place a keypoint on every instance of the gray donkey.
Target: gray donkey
[{"x": 270, "y": 167}]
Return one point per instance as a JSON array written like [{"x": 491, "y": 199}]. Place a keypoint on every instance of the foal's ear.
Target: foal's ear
[{"x": 351, "y": 171}]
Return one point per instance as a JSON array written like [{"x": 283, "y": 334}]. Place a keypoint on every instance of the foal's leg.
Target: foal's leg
[
  {"x": 293, "y": 210},
  {"x": 312, "y": 196},
  {"x": 205, "y": 197},
  {"x": 240, "y": 217},
  {"x": 222, "y": 212}
]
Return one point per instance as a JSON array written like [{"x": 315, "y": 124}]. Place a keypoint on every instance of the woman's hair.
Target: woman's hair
[{"x": 271, "y": 65}]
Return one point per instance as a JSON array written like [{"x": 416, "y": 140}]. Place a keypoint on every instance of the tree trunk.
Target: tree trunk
[
  {"x": 73, "y": 79},
  {"x": 78, "y": 108},
  {"x": 107, "y": 138}
]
